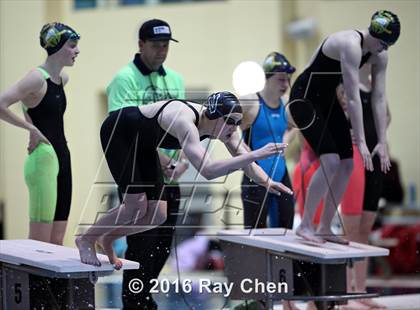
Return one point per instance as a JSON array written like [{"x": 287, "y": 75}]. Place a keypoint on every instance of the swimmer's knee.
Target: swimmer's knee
[
  {"x": 330, "y": 162},
  {"x": 136, "y": 203},
  {"x": 159, "y": 208},
  {"x": 161, "y": 216}
]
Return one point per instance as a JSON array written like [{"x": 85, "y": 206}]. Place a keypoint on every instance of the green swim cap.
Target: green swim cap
[
  {"x": 385, "y": 26},
  {"x": 54, "y": 35}
]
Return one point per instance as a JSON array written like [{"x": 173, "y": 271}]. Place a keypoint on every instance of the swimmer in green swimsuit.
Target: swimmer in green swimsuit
[{"x": 47, "y": 167}]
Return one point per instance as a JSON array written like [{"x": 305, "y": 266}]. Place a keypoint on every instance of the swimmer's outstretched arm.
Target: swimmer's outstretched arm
[
  {"x": 210, "y": 169},
  {"x": 237, "y": 147}
]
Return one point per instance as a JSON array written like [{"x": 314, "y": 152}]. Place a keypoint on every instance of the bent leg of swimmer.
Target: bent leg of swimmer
[
  {"x": 133, "y": 216},
  {"x": 155, "y": 215},
  {"x": 317, "y": 188},
  {"x": 332, "y": 199},
  {"x": 134, "y": 206}
]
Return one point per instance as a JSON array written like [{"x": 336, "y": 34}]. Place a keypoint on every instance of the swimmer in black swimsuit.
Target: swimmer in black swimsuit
[
  {"x": 339, "y": 58},
  {"x": 47, "y": 167},
  {"x": 172, "y": 124}
]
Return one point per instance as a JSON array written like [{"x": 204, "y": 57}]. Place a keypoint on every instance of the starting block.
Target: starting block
[
  {"x": 275, "y": 264},
  {"x": 40, "y": 275}
]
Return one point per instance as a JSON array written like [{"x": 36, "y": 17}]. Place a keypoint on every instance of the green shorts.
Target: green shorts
[{"x": 41, "y": 170}]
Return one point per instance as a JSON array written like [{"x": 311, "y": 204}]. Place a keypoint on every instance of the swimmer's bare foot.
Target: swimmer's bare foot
[
  {"x": 309, "y": 235},
  {"x": 369, "y": 302},
  {"x": 335, "y": 239},
  {"x": 87, "y": 251},
  {"x": 106, "y": 246}
]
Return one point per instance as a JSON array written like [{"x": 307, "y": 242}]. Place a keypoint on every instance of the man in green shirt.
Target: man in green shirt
[{"x": 143, "y": 81}]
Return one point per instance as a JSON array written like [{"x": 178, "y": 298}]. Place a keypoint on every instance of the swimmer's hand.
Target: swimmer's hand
[
  {"x": 174, "y": 171},
  {"x": 381, "y": 150},
  {"x": 35, "y": 138},
  {"x": 270, "y": 149},
  {"x": 278, "y": 187},
  {"x": 367, "y": 158}
]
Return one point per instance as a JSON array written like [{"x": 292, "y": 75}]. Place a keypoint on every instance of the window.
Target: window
[
  {"x": 131, "y": 2},
  {"x": 88, "y": 4},
  {"x": 84, "y": 4}
]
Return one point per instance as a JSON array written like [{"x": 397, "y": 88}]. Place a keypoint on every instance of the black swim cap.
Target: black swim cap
[
  {"x": 385, "y": 26},
  {"x": 276, "y": 62},
  {"x": 54, "y": 35},
  {"x": 222, "y": 104}
]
